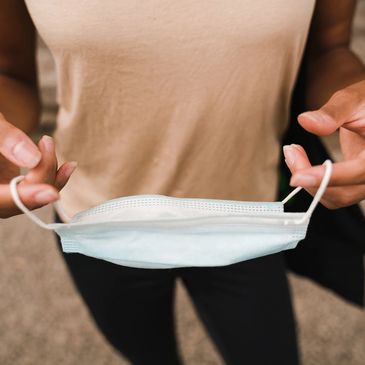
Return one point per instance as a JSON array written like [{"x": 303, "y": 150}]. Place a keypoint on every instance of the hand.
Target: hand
[
  {"x": 43, "y": 180},
  {"x": 344, "y": 111}
]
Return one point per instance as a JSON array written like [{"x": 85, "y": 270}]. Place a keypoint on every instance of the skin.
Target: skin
[
  {"x": 20, "y": 112},
  {"x": 336, "y": 96}
]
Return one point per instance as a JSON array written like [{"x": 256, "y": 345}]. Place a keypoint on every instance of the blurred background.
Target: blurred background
[{"x": 43, "y": 321}]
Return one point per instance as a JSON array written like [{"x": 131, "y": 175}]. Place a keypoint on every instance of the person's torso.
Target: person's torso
[{"x": 184, "y": 98}]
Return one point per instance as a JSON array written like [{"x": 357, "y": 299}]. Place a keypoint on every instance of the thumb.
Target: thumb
[
  {"x": 338, "y": 110},
  {"x": 16, "y": 146}
]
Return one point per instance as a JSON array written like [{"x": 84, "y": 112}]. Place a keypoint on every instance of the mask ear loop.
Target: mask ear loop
[
  {"x": 322, "y": 188},
  {"x": 14, "y": 193}
]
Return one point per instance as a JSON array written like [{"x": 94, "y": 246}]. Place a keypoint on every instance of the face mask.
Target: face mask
[{"x": 156, "y": 231}]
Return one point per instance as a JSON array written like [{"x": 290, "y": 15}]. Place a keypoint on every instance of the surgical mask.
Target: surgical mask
[{"x": 156, "y": 231}]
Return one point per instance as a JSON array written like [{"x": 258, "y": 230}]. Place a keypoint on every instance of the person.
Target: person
[{"x": 189, "y": 99}]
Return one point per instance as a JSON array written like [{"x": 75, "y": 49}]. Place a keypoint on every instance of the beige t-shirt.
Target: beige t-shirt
[{"x": 185, "y": 98}]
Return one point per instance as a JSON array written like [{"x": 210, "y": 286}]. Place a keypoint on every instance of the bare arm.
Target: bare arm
[
  {"x": 336, "y": 96},
  {"x": 332, "y": 65},
  {"x": 19, "y": 113},
  {"x": 19, "y": 99}
]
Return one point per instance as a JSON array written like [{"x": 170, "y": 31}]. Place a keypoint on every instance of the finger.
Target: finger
[
  {"x": 296, "y": 158},
  {"x": 45, "y": 171},
  {"x": 343, "y": 196},
  {"x": 344, "y": 173},
  {"x": 352, "y": 144},
  {"x": 64, "y": 173},
  {"x": 342, "y": 109},
  {"x": 33, "y": 196},
  {"x": 16, "y": 146}
]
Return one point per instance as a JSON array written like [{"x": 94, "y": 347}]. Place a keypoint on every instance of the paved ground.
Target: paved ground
[{"x": 43, "y": 321}]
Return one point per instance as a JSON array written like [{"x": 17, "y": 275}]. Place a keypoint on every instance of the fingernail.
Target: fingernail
[
  {"x": 314, "y": 115},
  {"x": 297, "y": 146},
  {"x": 46, "y": 196},
  {"x": 303, "y": 180},
  {"x": 26, "y": 155},
  {"x": 289, "y": 155},
  {"x": 48, "y": 143}
]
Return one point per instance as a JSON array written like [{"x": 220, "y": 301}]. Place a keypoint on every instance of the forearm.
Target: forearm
[
  {"x": 329, "y": 72},
  {"x": 19, "y": 103}
]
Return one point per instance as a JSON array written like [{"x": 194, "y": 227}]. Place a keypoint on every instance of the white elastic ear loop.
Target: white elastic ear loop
[
  {"x": 21, "y": 206},
  {"x": 294, "y": 192},
  {"x": 61, "y": 212},
  {"x": 322, "y": 188}
]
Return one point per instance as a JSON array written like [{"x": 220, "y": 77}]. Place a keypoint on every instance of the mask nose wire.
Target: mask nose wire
[
  {"x": 322, "y": 188},
  {"x": 14, "y": 193}
]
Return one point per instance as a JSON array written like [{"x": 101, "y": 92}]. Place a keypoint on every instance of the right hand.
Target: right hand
[{"x": 43, "y": 180}]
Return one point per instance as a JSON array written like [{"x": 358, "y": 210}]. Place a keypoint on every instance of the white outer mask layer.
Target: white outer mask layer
[{"x": 155, "y": 231}]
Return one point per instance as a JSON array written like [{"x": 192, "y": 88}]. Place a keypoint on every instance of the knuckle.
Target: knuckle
[
  {"x": 329, "y": 204},
  {"x": 343, "y": 199},
  {"x": 15, "y": 134},
  {"x": 9, "y": 130},
  {"x": 347, "y": 94}
]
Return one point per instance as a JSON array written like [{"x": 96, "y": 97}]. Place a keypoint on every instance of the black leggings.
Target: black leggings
[{"x": 245, "y": 307}]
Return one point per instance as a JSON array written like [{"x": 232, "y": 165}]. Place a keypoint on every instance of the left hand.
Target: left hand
[{"x": 345, "y": 111}]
